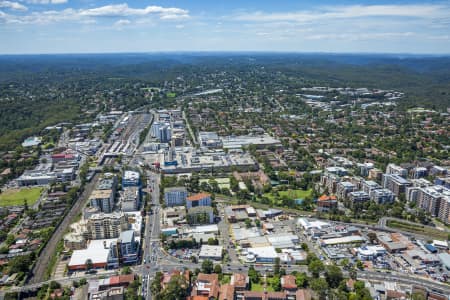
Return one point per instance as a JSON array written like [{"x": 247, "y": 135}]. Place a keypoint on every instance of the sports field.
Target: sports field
[
  {"x": 292, "y": 194},
  {"x": 17, "y": 196}
]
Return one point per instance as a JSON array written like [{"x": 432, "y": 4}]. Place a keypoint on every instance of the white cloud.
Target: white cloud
[
  {"x": 122, "y": 22},
  {"x": 87, "y": 15},
  {"x": 12, "y": 5},
  {"x": 351, "y": 11},
  {"x": 359, "y": 36},
  {"x": 117, "y": 10},
  {"x": 179, "y": 26},
  {"x": 46, "y": 1}
]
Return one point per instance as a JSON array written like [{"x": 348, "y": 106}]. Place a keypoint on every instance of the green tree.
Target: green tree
[
  {"x": 253, "y": 274},
  {"x": 315, "y": 267},
  {"x": 320, "y": 286},
  {"x": 89, "y": 264},
  {"x": 276, "y": 283},
  {"x": 126, "y": 270},
  {"x": 333, "y": 275},
  {"x": 301, "y": 280},
  {"x": 217, "y": 269},
  {"x": 276, "y": 268},
  {"x": 155, "y": 286},
  {"x": 176, "y": 288},
  {"x": 54, "y": 285},
  {"x": 207, "y": 266}
]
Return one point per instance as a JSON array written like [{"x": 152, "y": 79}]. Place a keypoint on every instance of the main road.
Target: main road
[{"x": 151, "y": 244}]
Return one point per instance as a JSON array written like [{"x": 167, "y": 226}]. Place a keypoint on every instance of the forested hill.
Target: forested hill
[{"x": 41, "y": 90}]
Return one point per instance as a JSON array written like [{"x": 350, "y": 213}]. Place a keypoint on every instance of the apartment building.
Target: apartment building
[
  {"x": 107, "y": 226},
  {"x": 395, "y": 183},
  {"x": 103, "y": 200}
]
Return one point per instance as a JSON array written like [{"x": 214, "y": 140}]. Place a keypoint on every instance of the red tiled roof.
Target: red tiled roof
[
  {"x": 302, "y": 294},
  {"x": 288, "y": 282},
  {"x": 226, "y": 292},
  {"x": 198, "y": 197}
]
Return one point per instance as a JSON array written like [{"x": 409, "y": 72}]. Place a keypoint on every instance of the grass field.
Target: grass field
[
  {"x": 256, "y": 287},
  {"x": 418, "y": 229},
  {"x": 171, "y": 95},
  {"x": 292, "y": 194},
  {"x": 17, "y": 197}
]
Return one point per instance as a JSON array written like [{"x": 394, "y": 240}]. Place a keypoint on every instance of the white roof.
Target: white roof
[
  {"x": 211, "y": 251},
  {"x": 205, "y": 228},
  {"x": 343, "y": 240},
  {"x": 439, "y": 243},
  {"x": 306, "y": 224},
  {"x": 95, "y": 251},
  {"x": 266, "y": 252}
]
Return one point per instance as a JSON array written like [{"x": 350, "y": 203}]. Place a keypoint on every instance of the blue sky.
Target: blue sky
[{"x": 87, "y": 26}]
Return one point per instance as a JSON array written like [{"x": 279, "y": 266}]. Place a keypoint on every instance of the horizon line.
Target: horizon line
[{"x": 229, "y": 51}]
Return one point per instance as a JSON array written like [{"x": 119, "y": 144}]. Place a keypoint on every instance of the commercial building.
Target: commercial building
[
  {"x": 352, "y": 239},
  {"x": 125, "y": 249},
  {"x": 445, "y": 260},
  {"x": 98, "y": 252},
  {"x": 31, "y": 178},
  {"x": 237, "y": 142},
  {"x": 103, "y": 200},
  {"x": 201, "y": 199},
  {"x": 369, "y": 252},
  {"x": 209, "y": 139},
  {"x": 175, "y": 196},
  {"x": 262, "y": 254},
  {"x": 200, "y": 215},
  {"x": 211, "y": 252}
]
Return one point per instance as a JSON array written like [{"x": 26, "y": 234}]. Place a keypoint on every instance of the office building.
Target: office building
[{"x": 175, "y": 196}]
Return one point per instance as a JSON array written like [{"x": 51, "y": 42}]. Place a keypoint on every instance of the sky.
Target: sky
[{"x": 107, "y": 26}]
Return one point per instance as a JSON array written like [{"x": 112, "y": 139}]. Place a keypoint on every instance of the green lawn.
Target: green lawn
[
  {"x": 292, "y": 194},
  {"x": 259, "y": 287},
  {"x": 418, "y": 229},
  {"x": 17, "y": 197},
  {"x": 171, "y": 95}
]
